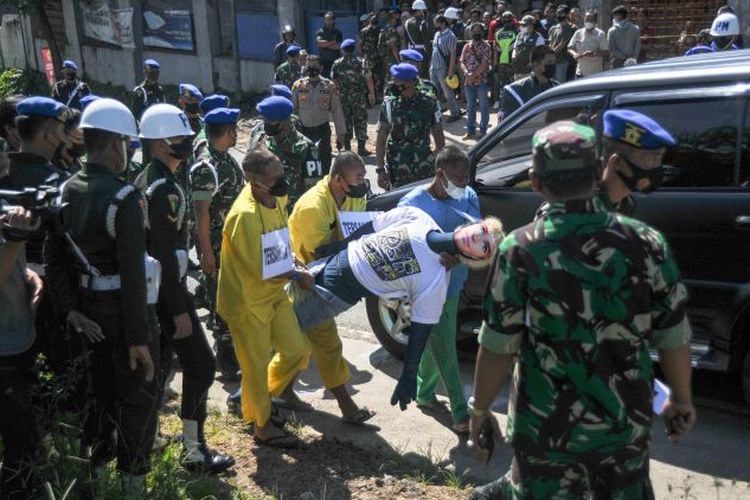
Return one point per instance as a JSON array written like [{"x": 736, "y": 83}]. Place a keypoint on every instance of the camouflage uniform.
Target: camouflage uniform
[
  {"x": 216, "y": 177},
  {"x": 580, "y": 295},
  {"x": 409, "y": 122},
  {"x": 351, "y": 76},
  {"x": 387, "y": 36},
  {"x": 288, "y": 73},
  {"x": 373, "y": 60}
]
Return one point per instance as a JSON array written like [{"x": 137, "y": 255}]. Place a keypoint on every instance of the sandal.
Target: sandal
[
  {"x": 293, "y": 405},
  {"x": 277, "y": 417},
  {"x": 434, "y": 407},
  {"x": 461, "y": 427},
  {"x": 285, "y": 441},
  {"x": 359, "y": 417}
]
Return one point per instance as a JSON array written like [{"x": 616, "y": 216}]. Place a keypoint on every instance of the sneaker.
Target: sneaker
[
  {"x": 452, "y": 119},
  {"x": 468, "y": 137}
]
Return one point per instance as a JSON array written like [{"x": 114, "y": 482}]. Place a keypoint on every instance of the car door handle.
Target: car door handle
[{"x": 742, "y": 222}]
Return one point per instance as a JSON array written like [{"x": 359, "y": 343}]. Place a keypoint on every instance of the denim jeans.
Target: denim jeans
[
  {"x": 472, "y": 93},
  {"x": 561, "y": 72},
  {"x": 437, "y": 77}
]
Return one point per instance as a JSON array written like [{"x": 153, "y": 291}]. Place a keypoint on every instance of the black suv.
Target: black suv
[{"x": 703, "y": 206}]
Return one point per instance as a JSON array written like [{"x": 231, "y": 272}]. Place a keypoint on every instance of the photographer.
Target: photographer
[{"x": 20, "y": 292}]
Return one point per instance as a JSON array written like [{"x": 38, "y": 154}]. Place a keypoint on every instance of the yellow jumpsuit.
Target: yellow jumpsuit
[
  {"x": 259, "y": 312},
  {"x": 314, "y": 222}
]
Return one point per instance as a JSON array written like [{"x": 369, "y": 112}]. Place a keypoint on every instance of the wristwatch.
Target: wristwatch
[{"x": 473, "y": 410}]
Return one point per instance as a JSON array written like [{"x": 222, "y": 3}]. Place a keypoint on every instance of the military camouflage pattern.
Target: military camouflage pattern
[
  {"x": 388, "y": 36},
  {"x": 288, "y": 73},
  {"x": 351, "y": 78},
  {"x": 409, "y": 122},
  {"x": 373, "y": 60},
  {"x": 564, "y": 146},
  {"x": 581, "y": 294}
]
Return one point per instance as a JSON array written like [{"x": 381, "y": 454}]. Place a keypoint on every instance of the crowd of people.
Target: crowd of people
[{"x": 284, "y": 244}]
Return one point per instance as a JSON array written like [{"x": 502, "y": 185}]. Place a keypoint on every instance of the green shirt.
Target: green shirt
[{"x": 581, "y": 294}]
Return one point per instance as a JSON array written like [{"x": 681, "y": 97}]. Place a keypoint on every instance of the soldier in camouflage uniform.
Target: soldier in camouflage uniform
[
  {"x": 373, "y": 61},
  {"x": 298, "y": 154},
  {"x": 580, "y": 295},
  {"x": 389, "y": 42},
  {"x": 290, "y": 71},
  {"x": 356, "y": 89},
  {"x": 406, "y": 121},
  {"x": 215, "y": 181}
]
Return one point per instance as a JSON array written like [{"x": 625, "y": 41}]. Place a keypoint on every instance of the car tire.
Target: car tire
[
  {"x": 746, "y": 378},
  {"x": 389, "y": 320}
]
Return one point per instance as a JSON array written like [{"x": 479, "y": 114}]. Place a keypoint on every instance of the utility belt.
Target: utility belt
[{"x": 99, "y": 283}]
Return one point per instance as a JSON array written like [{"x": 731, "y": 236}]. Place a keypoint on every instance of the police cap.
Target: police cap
[
  {"x": 213, "y": 101},
  {"x": 404, "y": 72},
  {"x": 88, "y": 99},
  {"x": 293, "y": 50},
  {"x": 222, "y": 116},
  {"x": 151, "y": 64},
  {"x": 190, "y": 91},
  {"x": 411, "y": 55},
  {"x": 564, "y": 146},
  {"x": 281, "y": 90},
  {"x": 45, "y": 107},
  {"x": 69, "y": 64},
  {"x": 275, "y": 108},
  {"x": 348, "y": 44},
  {"x": 635, "y": 129}
]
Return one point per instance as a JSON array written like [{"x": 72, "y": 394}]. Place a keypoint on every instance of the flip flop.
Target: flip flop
[
  {"x": 434, "y": 407},
  {"x": 298, "y": 406},
  {"x": 359, "y": 417},
  {"x": 277, "y": 417},
  {"x": 286, "y": 442}
]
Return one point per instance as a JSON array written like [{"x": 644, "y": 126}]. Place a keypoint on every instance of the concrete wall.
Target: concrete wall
[
  {"x": 107, "y": 65},
  {"x": 12, "y": 41},
  {"x": 256, "y": 76}
]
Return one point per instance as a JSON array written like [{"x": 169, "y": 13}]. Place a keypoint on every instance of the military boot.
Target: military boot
[
  {"x": 362, "y": 149},
  {"x": 226, "y": 359},
  {"x": 198, "y": 457}
]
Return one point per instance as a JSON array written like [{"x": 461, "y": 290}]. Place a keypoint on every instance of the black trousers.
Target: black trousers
[
  {"x": 123, "y": 406},
  {"x": 325, "y": 68},
  {"x": 321, "y": 135},
  {"x": 18, "y": 425},
  {"x": 196, "y": 358}
]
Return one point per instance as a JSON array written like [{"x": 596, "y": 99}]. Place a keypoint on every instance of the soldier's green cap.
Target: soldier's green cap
[{"x": 564, "y": 145}]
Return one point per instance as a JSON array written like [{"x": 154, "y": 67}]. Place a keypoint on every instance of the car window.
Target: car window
[
  {"x": 745, "y": 150},
  {"x": 706, "y": 133},
  {"x": 517, "y": 143}
]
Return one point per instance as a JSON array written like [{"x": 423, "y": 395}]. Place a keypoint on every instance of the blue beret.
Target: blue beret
[
  {"x": 41, "y": 106},
  {"x": 636, "y": 129},
  {"x": 282, "y": 90},
  {"x": 68, "y": 64},
  {"x": 404, "y": 71},
  {"x": 222, "y": 116},
  {"x": 275, "y": 108},
  {"x": 88, "y": 99},
  {"x": 293, "y": 50},
  {"x": 151, "y": 63},
  {"x": 190, "y": 90},
  {"x": 411, "y": 55},
  {"x": 214, "y": 101},
  {"x": 348, "y": 43}
]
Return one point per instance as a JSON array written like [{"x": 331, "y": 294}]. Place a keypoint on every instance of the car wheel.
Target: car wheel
[
  {"x": 390, "y": 320},
  {"x": 746, "y": 377}
]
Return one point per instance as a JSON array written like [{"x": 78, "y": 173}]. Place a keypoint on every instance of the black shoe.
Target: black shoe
[
  {"x": 199, "y": 299},
  {"x": 193, "y": 265},
  {"x": 490, "y": 491},
  {"x": 234, "y": 403},
  {"x": 212, "y": 463},
  {"x": 226, "y": 359},
  {"x": 362, "y": 149},
  {"x": 452, "y": 119}
]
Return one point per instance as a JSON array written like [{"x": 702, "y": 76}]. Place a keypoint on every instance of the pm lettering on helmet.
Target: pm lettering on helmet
[{"x": 722, "y": 26}]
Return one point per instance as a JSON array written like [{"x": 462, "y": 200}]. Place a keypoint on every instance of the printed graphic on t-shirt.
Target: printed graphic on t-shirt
[{"x": 390, "y": 254}]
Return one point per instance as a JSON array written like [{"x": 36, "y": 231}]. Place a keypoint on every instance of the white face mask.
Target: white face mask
[
  {"x": 589, "y": 26},
  {"x": 454, "y": 191},
  {"x": 616, "y": 22}
]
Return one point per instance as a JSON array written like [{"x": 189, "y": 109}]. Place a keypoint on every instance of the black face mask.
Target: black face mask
[
  {"x": 476, "y": 37},
  {"x": 280, "y": 188},
  {"x": 357, "y": 190},
  {"x": 312, "y": 72},
  {"x": 272, "y": 129},
  {"x": 348, "y": 52},
  {"x": 57, "y": 156},
  {"x": 655, "y": 177},
  {"x": 70, "y": 76},
  {"x": 181, "y": 151},
  {"x": 507, "y": 24},
  {"x": 397, "y": 90},
  {"x": 193, "y": 108},
  {"x": 549, "y": 71},
  {"x": 77, "y": 151}
]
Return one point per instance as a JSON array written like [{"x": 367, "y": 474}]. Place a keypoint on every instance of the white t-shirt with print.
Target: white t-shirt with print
[{"x": 396, "y": 262}]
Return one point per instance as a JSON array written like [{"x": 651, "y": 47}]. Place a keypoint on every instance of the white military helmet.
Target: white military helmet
[
  {"x": 451, "y": 13},
  {"x": 419, "y": 5},
  {"x": 161, "y": 121},
  {"x": 109, "y": 115},
  {"x": 725, "y": 24}
]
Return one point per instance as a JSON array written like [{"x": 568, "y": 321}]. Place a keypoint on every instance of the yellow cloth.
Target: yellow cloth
[
  {"x": 253, "y": 342},
  {"x": 259, "y": 312},
  {"x": 242, "y": 288},
  {"x": 314, "y": 220}
]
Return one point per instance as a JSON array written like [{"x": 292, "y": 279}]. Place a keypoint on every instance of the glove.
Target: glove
[{"x": 406, "y": 390}]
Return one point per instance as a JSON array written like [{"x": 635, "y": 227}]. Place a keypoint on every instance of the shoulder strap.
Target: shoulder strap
[{"x": 112, "y": 209}]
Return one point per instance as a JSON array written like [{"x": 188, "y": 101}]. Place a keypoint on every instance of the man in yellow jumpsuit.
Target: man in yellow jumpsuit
[
  {"x": 258, "y": 311},
  {"x": 314, "y": 222}
]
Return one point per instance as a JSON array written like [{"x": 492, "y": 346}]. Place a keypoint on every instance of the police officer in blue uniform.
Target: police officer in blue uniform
[{"x": 70, "y": 89}]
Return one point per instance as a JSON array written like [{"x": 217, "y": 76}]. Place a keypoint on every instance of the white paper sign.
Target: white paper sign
[
  {"x": 661, "y": 395},
  {"x": 277, "y": 253},
  {"x": 351, "y": 221}
]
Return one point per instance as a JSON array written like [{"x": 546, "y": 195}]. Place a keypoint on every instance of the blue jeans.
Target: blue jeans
[
  {"x": 472, "y": 92},
  {"x": 437, "y": 77}
]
